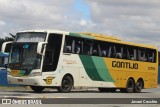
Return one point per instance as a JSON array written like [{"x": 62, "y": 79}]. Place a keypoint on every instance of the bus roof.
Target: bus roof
[
  {"x": 45, "y": 31},
  {"x": 108, "y": 38}
]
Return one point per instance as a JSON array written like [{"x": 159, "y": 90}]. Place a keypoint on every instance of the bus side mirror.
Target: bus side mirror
[
  {"x": 6, "y": 46},
  {"x": 40, "y": 47}
]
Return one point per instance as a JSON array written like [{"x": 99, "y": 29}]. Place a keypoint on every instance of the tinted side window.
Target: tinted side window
[
  {"x": 92, "y": 47},
  {"x": 73, "y": 45}
]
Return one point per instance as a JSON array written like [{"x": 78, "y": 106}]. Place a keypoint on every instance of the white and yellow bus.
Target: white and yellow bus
[{"x": 63, "y": 60}]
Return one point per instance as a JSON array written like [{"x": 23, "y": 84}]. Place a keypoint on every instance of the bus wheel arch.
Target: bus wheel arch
[
  {"x": 67, "y": 84},
  {"x": 139, "y": 85}
]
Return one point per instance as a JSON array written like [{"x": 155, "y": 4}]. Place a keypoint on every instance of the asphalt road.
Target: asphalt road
[{"x": 80, "y": 97}]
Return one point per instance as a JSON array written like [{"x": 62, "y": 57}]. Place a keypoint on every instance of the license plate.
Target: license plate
[
  {"x": 14, "y": 72},
  {"x": 20, "y": 80}
]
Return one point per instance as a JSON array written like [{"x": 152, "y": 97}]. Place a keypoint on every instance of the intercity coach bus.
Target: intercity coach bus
[{"x": 63, "y": 60}]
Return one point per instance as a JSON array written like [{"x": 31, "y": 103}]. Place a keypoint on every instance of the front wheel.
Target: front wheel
[
  {"x": 37, "y": 89},
  {"x": 66, "y": 85}
]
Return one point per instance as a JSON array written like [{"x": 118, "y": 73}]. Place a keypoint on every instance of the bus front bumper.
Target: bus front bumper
[{"x": 32, "y": 81}]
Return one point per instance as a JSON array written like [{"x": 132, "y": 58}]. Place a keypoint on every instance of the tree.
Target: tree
[{"x": 2, "y": 40}]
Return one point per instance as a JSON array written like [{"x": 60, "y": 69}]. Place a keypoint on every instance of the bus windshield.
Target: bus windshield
[
  {"x": 30, "y": 37},
  {"x": 24, "y": 56}
]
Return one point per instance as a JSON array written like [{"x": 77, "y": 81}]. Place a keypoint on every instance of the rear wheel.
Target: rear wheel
[
  {"x": 138, "y": 86},
  {"x": 66, "y": 85},
  {"x": 107, "y": 89},
  {"x": 129, "y": 87},
  {"x": 37, "y": 89}
]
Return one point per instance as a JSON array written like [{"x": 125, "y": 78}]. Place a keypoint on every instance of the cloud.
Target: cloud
[
  {"x": 41, "y": 14},
  {"x": 136, "y": 21},
  {"x": 2, "y": 23},
  {"x": 83, "y": 22},
  {"x": 35, "y": 14}
]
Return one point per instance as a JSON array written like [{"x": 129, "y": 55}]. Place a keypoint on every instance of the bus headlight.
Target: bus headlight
[{"x": 35, "y": 74}]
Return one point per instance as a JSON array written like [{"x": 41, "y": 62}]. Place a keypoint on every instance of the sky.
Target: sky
[{"x": 130, "y": 20}]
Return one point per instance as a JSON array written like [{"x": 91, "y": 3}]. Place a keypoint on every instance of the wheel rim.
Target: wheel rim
[
  {"x": 139, "y": 85},
  {"x": 130, "y": 84},
  {"x": 65, "y": 84}
]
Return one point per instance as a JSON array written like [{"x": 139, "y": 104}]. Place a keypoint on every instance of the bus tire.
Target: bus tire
[
  {"x": 130, "y": 86},
  {"x": 138, "y": 86},
  {"x": 66, "y": 85},
  {"x": 37, "y": 89},
  {"x": 107, "y": 90}
]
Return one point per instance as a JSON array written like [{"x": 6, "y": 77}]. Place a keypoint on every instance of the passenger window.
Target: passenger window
[
  {"x": 131, "y": 53},
  {"x": 95, "y": 50},
  {"x": 73, "y": 45},
  {"x": 104, "y": 49},
  {"x": 68, "y": 45},
  {"x": 142, "y": 55},
  {"x": 91, "y": 47},
  {"x": 119, "y": 51},
  {"x": 112, "y": 52},
  {"x": 88, "y": 47},
  {"x": 151, "y": 56},
  {"x": 78, "y": 46}
]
